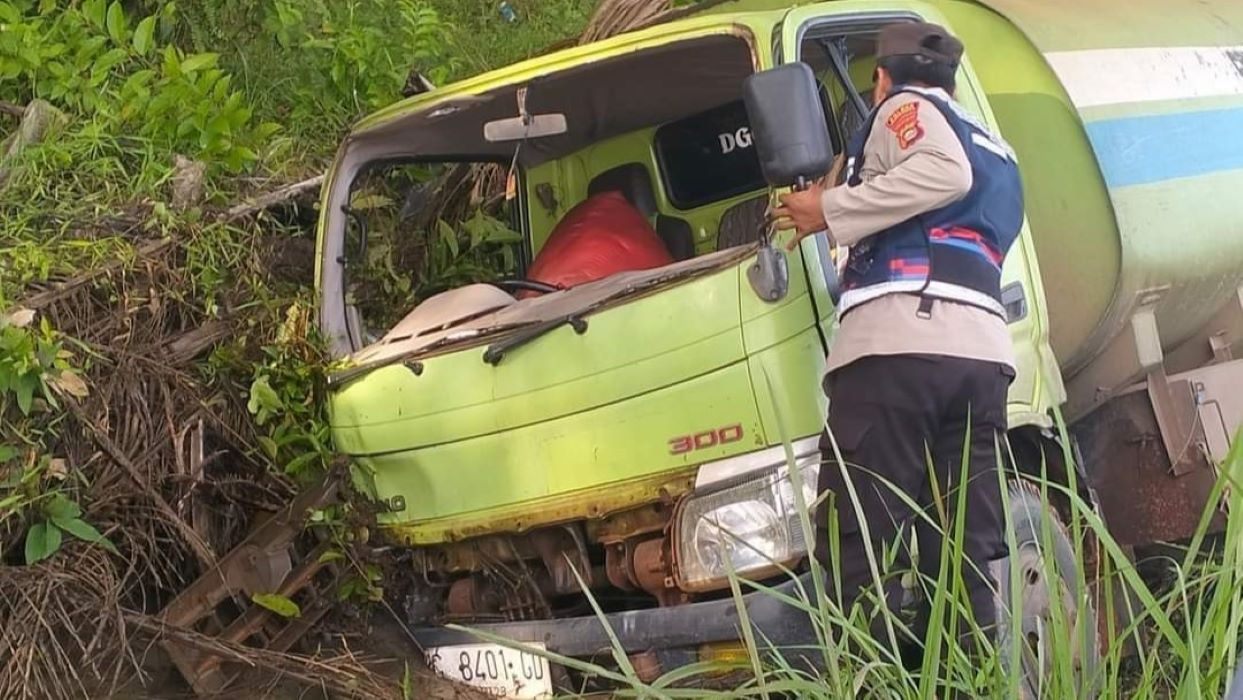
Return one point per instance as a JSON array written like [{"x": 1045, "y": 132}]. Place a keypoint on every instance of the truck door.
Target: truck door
[{"x": 838, "y": 41}]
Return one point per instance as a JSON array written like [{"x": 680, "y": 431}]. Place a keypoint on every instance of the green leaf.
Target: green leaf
[
  {"x": 42, "y": 541},
  {"x": 407, "y": 682},
  {"x": 448, "y": 236},
  {"x": 199, "y": 61},
  {"x": 368, "y": 202},
  {"x": 297, "y": 464},
  {"x": 116, "y": 23},
  {"x": 7, "y": 452},
  {"x": 269, "y": 446},
  {"x": 61, "y": 508},
  {"x": 330, "y": 555},
  {"x": 278, "y": 604},
  {"x": 25, "y": 389},
  {"x": 172, "y": 63},
  {"x": 264, "y": 400},
  {"x": 94, "y": 12},
  {"x": 144, "y": 36},
  {"x": 108, "y": 61},
  {"x": 267, "y": 130},
  {"x": 84, "y": 531}
]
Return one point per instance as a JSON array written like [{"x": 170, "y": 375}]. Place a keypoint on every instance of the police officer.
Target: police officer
[{"x": 922, "y": 361}]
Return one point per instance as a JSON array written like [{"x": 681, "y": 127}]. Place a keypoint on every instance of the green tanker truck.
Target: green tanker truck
[{"x": 523, "y": 440}]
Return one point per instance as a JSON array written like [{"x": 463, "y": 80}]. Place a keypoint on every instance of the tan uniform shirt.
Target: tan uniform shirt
[{"x": 913, "y": 163}]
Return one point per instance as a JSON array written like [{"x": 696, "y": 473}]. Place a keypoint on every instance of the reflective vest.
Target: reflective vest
[{"x": 954, "y": 252}]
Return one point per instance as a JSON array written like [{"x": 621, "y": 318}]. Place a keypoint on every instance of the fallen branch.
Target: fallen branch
[
  {"x": 271, "y": 199},
  {"x": 13, "y": 109},
  {"x": 191, "y": 344}
]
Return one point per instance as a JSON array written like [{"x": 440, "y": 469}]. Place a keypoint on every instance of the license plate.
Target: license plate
[{"x": 494, "y": 669}]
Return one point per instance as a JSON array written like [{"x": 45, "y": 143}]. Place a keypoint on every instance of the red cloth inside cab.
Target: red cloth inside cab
[{"x": 601, "y": 236}]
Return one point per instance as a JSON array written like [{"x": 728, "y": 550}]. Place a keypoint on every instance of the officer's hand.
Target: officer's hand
[{"x": 802, "y": 212}]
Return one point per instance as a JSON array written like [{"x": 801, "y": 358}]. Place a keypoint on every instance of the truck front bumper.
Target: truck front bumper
[{"x": 682, "y": 627}]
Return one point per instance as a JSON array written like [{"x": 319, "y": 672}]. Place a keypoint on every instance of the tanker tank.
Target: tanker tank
[{"x": 1126, "y": 116}]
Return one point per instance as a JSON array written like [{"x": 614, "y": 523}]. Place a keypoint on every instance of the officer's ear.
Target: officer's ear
[{"x": 884, "y": 83}]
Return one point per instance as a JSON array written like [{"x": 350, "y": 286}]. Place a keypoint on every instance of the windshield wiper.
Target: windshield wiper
[
  {"x": 345, "y": 376},
  {"x": 531, "y": 330},
  {"x": 496, "y": 351}
]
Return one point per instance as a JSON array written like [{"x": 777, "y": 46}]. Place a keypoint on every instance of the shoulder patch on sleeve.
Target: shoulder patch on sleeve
[{"x": 904, "y": 123}]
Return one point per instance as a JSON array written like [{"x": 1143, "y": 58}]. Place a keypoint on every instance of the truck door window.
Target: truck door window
[{"x": 844, "y": 63}]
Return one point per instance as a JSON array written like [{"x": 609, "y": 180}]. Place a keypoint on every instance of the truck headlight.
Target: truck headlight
[{"x": 753, "y": 525}]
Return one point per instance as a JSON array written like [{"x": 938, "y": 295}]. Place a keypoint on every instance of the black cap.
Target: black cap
[{"x": 931, "y": 41}]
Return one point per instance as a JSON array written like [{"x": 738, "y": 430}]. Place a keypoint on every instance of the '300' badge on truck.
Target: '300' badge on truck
[{"x": 703, "y": 440}]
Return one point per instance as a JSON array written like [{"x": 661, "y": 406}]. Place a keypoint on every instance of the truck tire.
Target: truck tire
[{"x": 1038, "y": 593}]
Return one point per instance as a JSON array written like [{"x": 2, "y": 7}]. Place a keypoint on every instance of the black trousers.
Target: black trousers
[{"x": 904, "y": 420}]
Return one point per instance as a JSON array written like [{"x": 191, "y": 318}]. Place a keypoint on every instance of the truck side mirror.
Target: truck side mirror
[{"x": 788, "y": 128}]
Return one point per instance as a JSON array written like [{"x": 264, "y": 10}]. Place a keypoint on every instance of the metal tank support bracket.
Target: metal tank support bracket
[
  {"x": 1178, "y": 416},
  {"x": 1153, "y": 426},
  {"x": 1174, "y": 402},
  {"x": 1134, "y": 360}
]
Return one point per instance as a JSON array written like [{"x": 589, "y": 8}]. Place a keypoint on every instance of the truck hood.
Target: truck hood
[{"x": 423, "y": 386}]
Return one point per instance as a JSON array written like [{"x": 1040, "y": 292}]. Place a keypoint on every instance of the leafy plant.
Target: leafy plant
[
  {"x": 363, "y": 583},
  {"x": 360, "y": 57},
  {"x": 187, "y": 101},
  {"x": 92, "y": 60},
  {"x": 33, "y": 364},
  {"x": 62, "y": 515},
  {"x": 284, "y": 399},
  {"x": 403, "y": 246},
  {"x": 34, "y": 370}
]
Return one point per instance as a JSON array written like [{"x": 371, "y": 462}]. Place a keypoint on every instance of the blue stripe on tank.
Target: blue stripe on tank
[{"x": 1142, "y": 150}]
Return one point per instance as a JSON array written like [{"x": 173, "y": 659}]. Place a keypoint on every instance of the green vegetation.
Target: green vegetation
[
  {"x": 484, "y": 39},
  {"x": 35, "y": 370},
  {"x": 160, "y": 374}
]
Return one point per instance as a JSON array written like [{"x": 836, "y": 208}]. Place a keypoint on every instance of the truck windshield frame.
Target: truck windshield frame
[{"x": 717, "y": 57}]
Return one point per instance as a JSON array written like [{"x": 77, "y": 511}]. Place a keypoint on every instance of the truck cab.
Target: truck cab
[{"x": 627, "y": 442}]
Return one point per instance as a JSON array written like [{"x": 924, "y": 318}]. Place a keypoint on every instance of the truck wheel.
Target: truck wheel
[{"x": 1040, "y": 590}]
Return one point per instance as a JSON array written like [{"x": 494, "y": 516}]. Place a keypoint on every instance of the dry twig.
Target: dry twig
[
  {"x": 10, "y": 108},
  {"x": 273, "y": 198}
]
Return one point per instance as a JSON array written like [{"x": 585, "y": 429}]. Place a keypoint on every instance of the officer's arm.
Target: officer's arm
[{"x": 921, "y": 166}]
